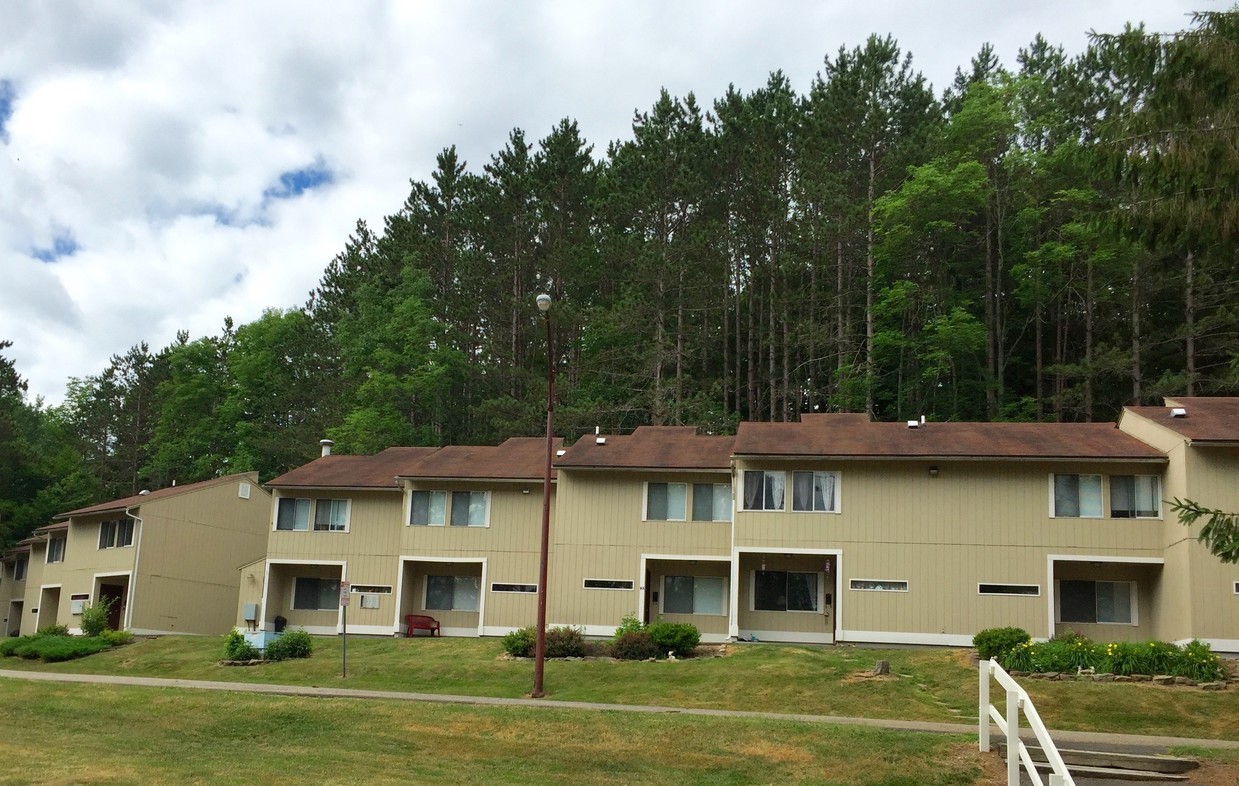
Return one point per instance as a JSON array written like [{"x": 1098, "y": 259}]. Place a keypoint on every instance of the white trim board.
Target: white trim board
[
  {"x": 904, "y": 637},
  {"x": 1051, "y": 597},
  {"x": 786, "y": 636},
  {"x": 1218, "y": 645}
]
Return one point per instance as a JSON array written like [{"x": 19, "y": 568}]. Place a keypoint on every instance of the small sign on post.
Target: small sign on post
[{"x": 344, "y": 588}]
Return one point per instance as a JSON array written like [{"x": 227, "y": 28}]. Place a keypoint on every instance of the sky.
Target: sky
[{"x": 164, "y": 165}]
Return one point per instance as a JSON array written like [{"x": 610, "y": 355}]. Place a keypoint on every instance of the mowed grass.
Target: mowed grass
[
  {"x": 73, "y": 733},
  {"x": 926, "y": 684}
]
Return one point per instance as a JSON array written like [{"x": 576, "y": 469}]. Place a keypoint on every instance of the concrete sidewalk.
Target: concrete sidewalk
[{"x": 1062, "y": 738}]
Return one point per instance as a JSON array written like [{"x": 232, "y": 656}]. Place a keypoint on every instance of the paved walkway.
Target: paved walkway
[{"x": 1062, "y": 738}]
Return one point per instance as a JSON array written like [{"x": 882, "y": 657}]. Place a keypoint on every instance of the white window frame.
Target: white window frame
[
  {"x": 1135, "y": 602},
  {"x": 309, "y": 514},
  {"x": 714, "y": 511},
  {"x": 22, "y": 565},
  {"x": 1237, "y": 587},
  {"x": 114, "y": 532},
  {"x": 1110, "y": 497},
  {"x": 533, "y": 588},
  {"x": 838, "y": 489},
  {"x": 370, "y": 589},
  {"x": 331, "y": 501},
  {"x": 77, "y": 602},
  {"x": 408, "y": 519},
  {"x": 631, "y": 585},
  {"x": 726, "y": 595},
  {"x": 47, "y": 557},
  {"x": 981, "y": 584},
  {"x": 764, "y": 472},
  {"x": 455, "y": 578},
  {"x": 1054, "y": 514},
  {"x": 821, "y": 592},
  {"x": 879, "y": 585},
  {"x": 450, "y": 506},
  {"x": 645, "y": 500}
]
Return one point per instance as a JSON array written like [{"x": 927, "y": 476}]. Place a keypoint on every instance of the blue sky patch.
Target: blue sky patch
[
  {"x": 63, "y": 245},
  {"x": 8, "y": 94},
  {"x": 298, "y": 181}
]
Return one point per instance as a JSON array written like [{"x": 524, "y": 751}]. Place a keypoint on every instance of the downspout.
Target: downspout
[{"x": 133, "y": 577}]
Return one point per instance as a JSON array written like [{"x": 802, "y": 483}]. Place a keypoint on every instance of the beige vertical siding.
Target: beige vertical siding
[
  {"x": 281, "y": 583},
  {"x": 706, "y": 623},
  {"x": 1214, "y": 478},
  {"x": 1148, "y": 579}
]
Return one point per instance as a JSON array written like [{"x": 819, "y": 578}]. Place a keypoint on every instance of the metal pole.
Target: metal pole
[
  {"x": 344, "y": 645},
  {"x": 539, "y": 661}
]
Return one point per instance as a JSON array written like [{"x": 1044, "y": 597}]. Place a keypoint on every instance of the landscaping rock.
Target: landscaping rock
[
  {"x": 1163, "y": 679},
  {"x": 1103, "y": 678},
  {"x": 1184, "y": 681},
  {"x": 1213, "y": 686},
  {"x": 1123, "y": 678},
  {"x": 1141, "y": 678},
  {"x": 881, "y": 668}
]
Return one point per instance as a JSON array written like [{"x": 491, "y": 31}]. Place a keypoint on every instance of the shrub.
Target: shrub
[
  {"x": 8, "y": 647},
  {"x": 680, "y": 638},
  {"x": 1199, "y": 662},
  {"x": 116, "y": 638},
  {"x": 565, "y": 642},
  {"x": 628, "y": 624},
  {"x": 53, "y": 630},
  {"x": 59, "y": 648},
  {"x": 1021, "y": 657},
  {"x": 1160, "y": 657},
  {"x": 290, "y": 644},
  {"x": 991, "y": 643},
  {"x": 635, "y": 645},
  {"x": 520, "y": 643},
  {"x": 95, "y": 616},
  {"x": 1068, "y": 653},
  {"x": 237, "y": 648}
]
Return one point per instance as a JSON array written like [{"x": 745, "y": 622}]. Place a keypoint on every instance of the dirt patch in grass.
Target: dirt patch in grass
[{"x": 867, "y": 676}]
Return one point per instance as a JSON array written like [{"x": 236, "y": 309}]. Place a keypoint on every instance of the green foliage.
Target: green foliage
[
  {"x": 288, "y": 645},
  {"x": 1197, "y": 660},
  {"x": 1220, "y": 532},
  {"x": 628, "y": 624},
  {"x": 679, "y": 638},
  {"x": 1073, "y": 652},
  {"x": 94, "y": 618},
  {"x": 53, "y": 630},
  {"x": 993, "y": 642},
  {"x": 1068, "y": 654},
  {"x": 53, "y": 647},
  {"x": 8, "y": 647},
  {"x": 520, "y": 643},
  {"x": 635, "y": 645},
  {"x": 116, "y": 638},
  {"x": 565, "y": 642},
  {"x": 237, "y": 648}
]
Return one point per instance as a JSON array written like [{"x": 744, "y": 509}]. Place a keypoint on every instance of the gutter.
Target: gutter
[{"x": 133, "y": 577}]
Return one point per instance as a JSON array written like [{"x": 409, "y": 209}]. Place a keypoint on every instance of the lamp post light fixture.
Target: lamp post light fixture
[{"x": 539, "y": 661}]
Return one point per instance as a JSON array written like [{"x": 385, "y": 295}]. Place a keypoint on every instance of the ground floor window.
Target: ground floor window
[
  {"x": 314, "y": 594},
  {"x": 1112, "y": 602},
  {"x": 694, "y": 595},
  {"x": 453, "y": 593},
  {"x": 780, "y": 590}
]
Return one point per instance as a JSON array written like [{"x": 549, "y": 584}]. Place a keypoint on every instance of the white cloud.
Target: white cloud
[{"x": 135, "y": 129}]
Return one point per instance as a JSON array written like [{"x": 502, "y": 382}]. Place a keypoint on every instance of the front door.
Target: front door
[{"x": 116, "y": 594}]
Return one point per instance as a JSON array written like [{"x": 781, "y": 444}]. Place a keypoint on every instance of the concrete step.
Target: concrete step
[{"x": 1128, "y": 762}]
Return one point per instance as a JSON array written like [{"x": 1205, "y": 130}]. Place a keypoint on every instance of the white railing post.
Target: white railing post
[
  {"x": 1013, "y": 738},
  {"x": 983, "y": 706}
]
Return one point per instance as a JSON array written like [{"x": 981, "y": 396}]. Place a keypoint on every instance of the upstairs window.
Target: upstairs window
[
  {"x": 1077, "y": 496},
  {"x": 115, "y": 534},
  {"x": 665, "y": 501},
  {"x": 1135, "y": 497},
  {"x": 764, "y": 490},
  {"x": 56, "y": 550},
  {"x": 428, "y": 508},
  {"x": 470, "y": 508},
  {"x": 711, "y": 502},
  {"x": 19, "y": 569},
  {"x": 815, "y": 491},
  {"x": 292, "y": 514},
  {"x": 331, "y": 515}
]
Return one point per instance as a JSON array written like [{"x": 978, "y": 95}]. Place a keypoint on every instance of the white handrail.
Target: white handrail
[{"x": 1009, "y": 725}]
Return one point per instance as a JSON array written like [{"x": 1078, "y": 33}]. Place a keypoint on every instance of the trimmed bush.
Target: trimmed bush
[
  {"x": 1199, "y": 662},
  {"x": 94, "y": 618},
  {"x": 520, "y": 643},
  {"x": 565, "y": 642},
  {"x": 635, "y": 645},
  {"x": 8, "y": 647},
  {"x": 1068, "y": 654},
  {"x": 116, "y": 638},
  {"x": 237, "y": 648},
  {"x": 680, "y": 638},
  {"x": 288, "y": 645},
  {"x": 991, "y": 643},
  {"x": 53, "y": 630},
  {"x": 628, "y": 624},
  {"x": 52, "y": 648}
]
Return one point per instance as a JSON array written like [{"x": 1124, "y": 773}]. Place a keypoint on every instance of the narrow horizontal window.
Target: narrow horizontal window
[
  {"x": 1009, "y": 589},
  {"x": 370, "y": 589},
  {"x": 879, "y": 585},
  {"x": 522, "y": 588},
  {"x": 608, "y": 584}
]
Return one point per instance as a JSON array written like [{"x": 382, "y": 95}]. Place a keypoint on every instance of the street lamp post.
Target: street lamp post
[{"x": 539, "y": 658}]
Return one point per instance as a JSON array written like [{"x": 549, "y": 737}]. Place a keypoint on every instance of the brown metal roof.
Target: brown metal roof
[
  {"x": 651, "y": 447},
  {"x": 120, "y": 505},
  {"x": 378, "y": 471},
  {"x": 1208, "y": 419},
  {"x": 519, "y": 458},
  {"x": 848, "y": 436}
]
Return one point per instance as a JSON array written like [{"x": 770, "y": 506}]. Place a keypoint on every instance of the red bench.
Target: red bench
[{"x": 421, "y": 622}]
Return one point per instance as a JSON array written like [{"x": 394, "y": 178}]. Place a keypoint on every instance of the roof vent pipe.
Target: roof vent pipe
[
  {"x": 326, "y": 443},
  {"x": 922, "y": 420},
  {"x": 914, "y": 424},
  {"x": 144, "y": 492},
  {"x": 1178, "y": 412}
]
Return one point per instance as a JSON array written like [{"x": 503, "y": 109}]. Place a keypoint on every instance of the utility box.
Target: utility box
[{"x": 250, "y": 612}]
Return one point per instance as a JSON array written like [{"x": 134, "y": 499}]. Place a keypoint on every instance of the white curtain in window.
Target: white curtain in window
[
  {"x": 775, "y": 483},
  {"x": 1090, "y": 495},
  {"x": 824, "y": 491}
]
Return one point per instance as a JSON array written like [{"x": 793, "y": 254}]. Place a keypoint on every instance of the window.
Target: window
[
  {"x": 778, "y": 590},
  {"x": 115, "y": 534},
  {"x": 56, "y": 550},
  {"x": 469, "y": 508},
  {"x": 763, "y": 490},
  {"x": 879, "y": 585},
  {"x": 1108, "y": 602},
  {"x": 19, "y": 569},
  {"x": 665, "y": 501},
  {"x": 292, "y": 513},
  {"x": 243, "y": 490},
  {"x": 711, "y": 502},
  {"x": 312, "y": 594},
  {"x": 370, "y": 589},
  {"x": 1077, "y": 496},
  {"x": 78, "y": 602},
  {"x": 694, "y": 595},
  {"x": 1009, "y": 589},
  {"x": 453, "y": 593},
  {"x": 522, "y": 588},
  {"x": 815, "y": 491},
  {"x": 330, "y": 515},
  {"x": 428, "y": 508},
  {"x": 1135, "y": 497},
  {"x": 608, "y": 584}
]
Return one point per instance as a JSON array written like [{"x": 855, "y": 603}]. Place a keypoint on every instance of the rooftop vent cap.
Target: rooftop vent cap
[
  {"x": 560, "y": 453},
  {"x": 600, "y": 440},
  {"x": 914, "y": 424},
  {"x": 326, "y": 445},
  {"x": 144, "y": 492},
  {"x": 1178, "y": 412}
]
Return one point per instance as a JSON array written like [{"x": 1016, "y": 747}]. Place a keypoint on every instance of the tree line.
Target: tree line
[{"x": 1048, "y": 241}]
